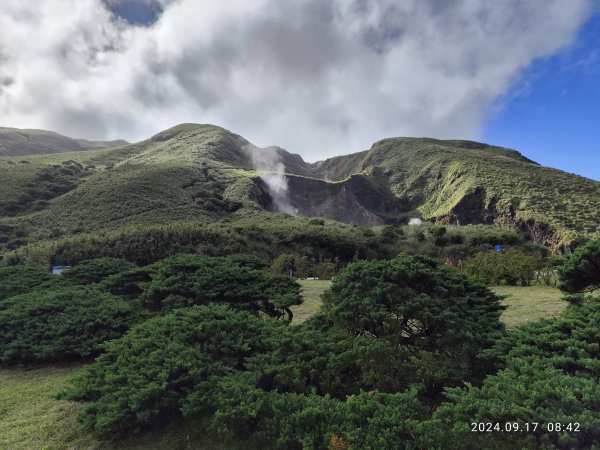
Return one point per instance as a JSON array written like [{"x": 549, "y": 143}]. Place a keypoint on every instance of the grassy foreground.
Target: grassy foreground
[
  {"x": 311, "y": 294},
  {"x": 528, "y": 304},
  {"x": 31, "y": 418}
]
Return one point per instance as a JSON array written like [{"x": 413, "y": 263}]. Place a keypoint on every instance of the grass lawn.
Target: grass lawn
[
  {"x": 30, "y": 418},
  {"x": 528, "y": 304},
  {"x": 311, "y": 293}
]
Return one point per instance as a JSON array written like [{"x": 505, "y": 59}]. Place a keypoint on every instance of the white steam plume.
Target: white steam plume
[{"x": 267, "y": 162}]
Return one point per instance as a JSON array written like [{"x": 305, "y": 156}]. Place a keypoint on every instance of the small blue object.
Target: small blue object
[
  {"x": 57, "y": 270},
  {"x": 498, "y": 248}
]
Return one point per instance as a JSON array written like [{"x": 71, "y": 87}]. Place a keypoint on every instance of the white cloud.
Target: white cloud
[{"x": 318, "y": 78}]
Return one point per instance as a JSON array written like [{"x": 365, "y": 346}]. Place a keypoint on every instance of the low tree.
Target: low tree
[
  {"x": 550, "y": 378},
  {"x": 95, "y": 270},
  {"x": 60, "y": 324},
  {"x": 147, "y": 377},
  {"x": 512, "y": 267},
  {"x": 580, "y": 271},
  {"x": 245, "y": 377},
  {"x": 186, "y": 280},
  {"x": 413, "y": 303},
  {"x": 22, "y": 279},
  {"x": 284, "y": 264}
]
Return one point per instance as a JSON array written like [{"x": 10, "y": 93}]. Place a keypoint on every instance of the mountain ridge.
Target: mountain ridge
[
  {"x": 207, "y": 173},
  {"x": 25, "y": 142}
]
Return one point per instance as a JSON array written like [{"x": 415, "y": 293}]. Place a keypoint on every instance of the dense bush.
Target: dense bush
[
  {"x": 347, "y": 377},
  {"x": 511, "y": 267},
  {"x": 306, "y": 359},
  {"x": 304, "y": 267},
  {"x": 316, "y": 240},
  {"x": 60, "y": 324},
  {"x": 22, "y": 279},
  {"x": 95, "y": 270},
  {"x": 581, "y": 270},
  {"x": 149, "y": 374},
  {"x": 368, "y": 420},
  {"x": 432, "y": 312},
  {"x": 222, "y": 368},
  {"x": 186, "y": 280},
  {"x": 551, "y": 376}
]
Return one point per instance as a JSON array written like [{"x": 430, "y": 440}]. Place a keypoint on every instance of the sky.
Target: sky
[{"x": 317, "y": 77}]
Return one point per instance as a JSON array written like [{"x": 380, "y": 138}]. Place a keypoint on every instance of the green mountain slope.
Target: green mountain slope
[
  {"x": 18, "y": 142},
  {"x": 204, "y": 173},
  {"x": 463, "y": 182}
]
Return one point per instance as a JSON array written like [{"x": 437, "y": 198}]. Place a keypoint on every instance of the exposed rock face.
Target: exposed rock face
[
  {"x": 354, "y": 200},
  {"x": 541, "y": 233},
  {"x": 472, "y": 209}
]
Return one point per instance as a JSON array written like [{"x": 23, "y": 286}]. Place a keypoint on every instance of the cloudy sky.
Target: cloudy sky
[{"x": 318, "y": 77}]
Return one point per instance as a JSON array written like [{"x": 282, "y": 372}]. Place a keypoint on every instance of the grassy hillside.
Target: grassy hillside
[
  {"x": 18, "y": 142},
  {"x": 205, "y": 174},
  {"x": 465, "y": 182}
]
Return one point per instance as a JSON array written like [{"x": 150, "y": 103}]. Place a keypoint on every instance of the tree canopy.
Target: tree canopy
[
  {"x": 581, "y": 270},
  {"x": 60, "y": 324}
]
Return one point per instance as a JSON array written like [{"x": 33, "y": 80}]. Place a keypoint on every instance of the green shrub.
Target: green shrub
[
  {"x": 306, "y": 359},
  {"x": 186, "y": 280},
  {"x": 581, "y": 270},
  {"x": 22, "y": 279},
  {"x": 66, "y": 323},
  {"x": 241, "y": 375},
  {"x": 146, "y": 377},
  {"x": 551, "y": 376},
  {"x": 511, "y": 267},
  {"x": 415, "y": 304},
  {"x": 95, "y": 270},
  {"x": 294, "y": 421}
]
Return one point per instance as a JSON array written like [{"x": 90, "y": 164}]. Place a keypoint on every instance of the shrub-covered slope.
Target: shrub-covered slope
[
  {"x": 204, "y": 173},
  {"x": 17, "y": 142}
]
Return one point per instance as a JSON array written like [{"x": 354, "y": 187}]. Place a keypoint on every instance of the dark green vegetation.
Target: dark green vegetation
[
  {"x": 48, "y": 318},
  {"x": 581, "y": 270},
  {"x": 22, "y": 279},
  {"x": 203, "y": 173},
  {"x": 510, "y": 267},
  {"x": 18, "y": 142},
  {"x": 383, "y": 364},
  {"x": 523, "y": 304},
  {"x": 421, "y": 310},
  {"x": 95, "y": 270},
  {"x": 187, "y": 280},
  {"x": 260, "y": 380},
  {"x": 60, "y": 324},
  {"x": 550, "y": 376},
  {"x": 321, "y": 241}
]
